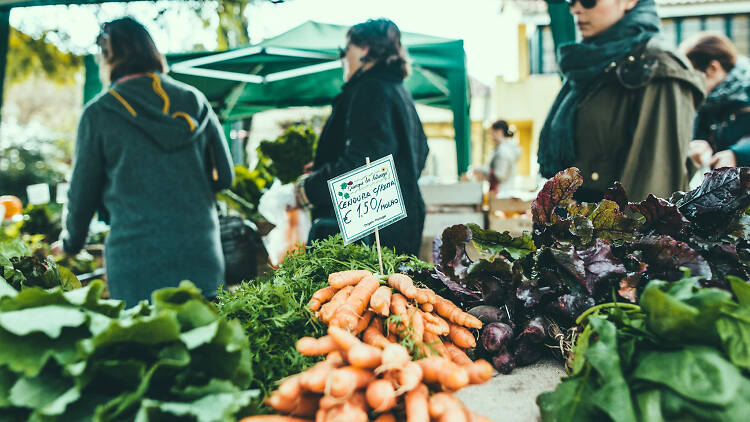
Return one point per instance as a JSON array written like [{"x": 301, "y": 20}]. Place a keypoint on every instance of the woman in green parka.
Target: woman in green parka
[{"x": 625, "y": 111}]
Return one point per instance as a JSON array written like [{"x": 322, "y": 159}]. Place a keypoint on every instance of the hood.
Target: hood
[
  {"x": 733, "y": 91},
  {"x": 170, "y": 114}
]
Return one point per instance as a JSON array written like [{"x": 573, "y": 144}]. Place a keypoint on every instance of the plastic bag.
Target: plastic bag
[{"x": 292, "y": 225}]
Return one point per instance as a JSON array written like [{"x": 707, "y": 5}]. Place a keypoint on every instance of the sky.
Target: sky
[{"x": 490, "y": 37}]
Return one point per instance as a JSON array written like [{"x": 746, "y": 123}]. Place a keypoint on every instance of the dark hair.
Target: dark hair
[
  {"x": 128, "y": 48},
  {"x": 383, "y": 38},
  {"x": 502, "y": 125},
  {"x": 705, "y": 47}
]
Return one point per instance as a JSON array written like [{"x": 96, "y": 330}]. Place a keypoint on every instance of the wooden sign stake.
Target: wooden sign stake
[{"x": 377, "y": 235}]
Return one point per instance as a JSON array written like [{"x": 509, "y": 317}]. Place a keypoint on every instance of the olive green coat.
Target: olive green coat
[{"x": 638, "y": 131}]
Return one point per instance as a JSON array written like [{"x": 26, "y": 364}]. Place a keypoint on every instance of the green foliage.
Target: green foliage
[
  {"x": 29, "y": 162},
  {"x": 273, "y": 309},
  {"x": 286, "y": 156},
  {"x": 682, "y": 355},
  {"x": 77, "y": 357},
  {"x": 36, "y": 56},
  {"x": 21, "y": 269},
  {"x": 44, "y": 220}
]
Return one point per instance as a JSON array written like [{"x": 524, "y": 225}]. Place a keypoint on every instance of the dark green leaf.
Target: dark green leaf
[{"x": 697, "y": 373}]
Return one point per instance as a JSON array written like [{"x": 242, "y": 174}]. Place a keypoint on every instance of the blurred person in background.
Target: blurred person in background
[
  {"x": 625, "y": 111},
  {"x": 372, "y": 117},
  {"x": 723, "y": 120},
  {"x": 503, "y": 165},
  {"x": 152, "y": 153}
]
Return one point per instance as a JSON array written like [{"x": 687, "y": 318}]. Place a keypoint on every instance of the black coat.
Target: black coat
[{"x": 372, "y": 117}]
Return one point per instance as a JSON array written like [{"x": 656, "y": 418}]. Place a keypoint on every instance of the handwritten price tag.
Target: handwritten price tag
[{"x": 366, "y": 198}]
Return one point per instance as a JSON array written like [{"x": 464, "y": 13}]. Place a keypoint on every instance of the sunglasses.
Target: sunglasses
[{"x": 587, "y": 4}]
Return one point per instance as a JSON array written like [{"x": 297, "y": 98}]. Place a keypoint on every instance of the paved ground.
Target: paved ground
[{"x": 512, "y": 398}]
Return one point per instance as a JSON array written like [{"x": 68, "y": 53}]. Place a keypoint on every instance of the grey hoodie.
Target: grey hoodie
[{"x": 152, "y": 153}]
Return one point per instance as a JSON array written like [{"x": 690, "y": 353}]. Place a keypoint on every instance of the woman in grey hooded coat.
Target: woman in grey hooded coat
[{"x": 151, "y": 152}]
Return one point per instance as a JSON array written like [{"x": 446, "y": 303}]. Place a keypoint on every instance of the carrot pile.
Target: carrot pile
[{"x": 368, "y": 373}]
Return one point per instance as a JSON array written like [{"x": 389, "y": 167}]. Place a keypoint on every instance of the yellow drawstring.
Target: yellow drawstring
[
  {"x": 160, "y": 91},
  {"x": 186, "y": 117},
  {"x": 122, "y": 100}
]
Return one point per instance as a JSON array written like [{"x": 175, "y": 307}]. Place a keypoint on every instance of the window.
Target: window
[
  {"x": 669, "y": 32},
  {"x": 741, "y": 33}
]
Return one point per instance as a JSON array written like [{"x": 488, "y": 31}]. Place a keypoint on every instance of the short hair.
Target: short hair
[
  {"x": 383, "y": 38},
  {"x": 704, "y": 47},
  {"x": 128, "y": 48},
  {"x": 504, "y": 126}
]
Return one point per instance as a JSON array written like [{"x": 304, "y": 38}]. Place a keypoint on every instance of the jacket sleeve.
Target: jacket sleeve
[
  {"x": 86, "y": 185},
  {"x": 219, "y": 155},
  {"x": 656, "y": 161},
  {"x": 742, "y": 152},
  {"x": 370, "y": 132}
]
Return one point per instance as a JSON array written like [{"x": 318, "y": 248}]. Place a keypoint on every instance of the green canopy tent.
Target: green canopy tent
[
  {"x": 297, "y": 68},
  {"x": 301, "y": 67}
]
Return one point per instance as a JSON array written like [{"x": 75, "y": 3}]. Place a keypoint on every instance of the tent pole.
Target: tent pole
[
  {"x": 92, "y": 84},
  {"x": 459, "y": 101},
  {"x": 4, "y": 44}
]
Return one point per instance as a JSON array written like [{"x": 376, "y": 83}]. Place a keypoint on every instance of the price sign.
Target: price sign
[{"x": 367, "y": 198}]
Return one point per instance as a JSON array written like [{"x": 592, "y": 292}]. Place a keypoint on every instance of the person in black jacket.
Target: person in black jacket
[
  {"x": 722, "y": 124},
  {"x": 372, "y": 117}
]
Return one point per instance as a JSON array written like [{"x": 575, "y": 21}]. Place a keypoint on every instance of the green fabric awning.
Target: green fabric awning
[{"x": 301, "y": 67}]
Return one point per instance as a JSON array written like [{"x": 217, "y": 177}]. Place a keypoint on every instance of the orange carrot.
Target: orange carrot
[
  {"x": 290, "y": 388},
  {"x": 381, "y": 300},
  {"x": 320, "y": 297},
  {"x": 416, "y": 324},
  {"x": 398, "y": 307},
  {"x": 394, "y": 356},
  {"x": 343, "y": 382},
  {"x": 364, "y": 356},
  {"x": 373, "y": 335},
  {"x": 462, "y": 337},
  {"x": 320, "y": 416},
  {"x": 314, "y": 379},
  {"x": 278, "y": 403},
  {"x": 427, "y": 307},
  {"x": 453, "y": 377},
  {"x": 349, "y": 313},
  {"x": 385, "y": 417},
  {"x": 479, "y": 372},
  {"x": 328, "y": 310},
  {"x": 306, "y": 405},
  {"x": 425, "y": 296},
  {"x": 311, "y": 346},
  {"x": 452, "y": 313},
  {"x": 381, "y": 396},
  {"x": 273, "y": 418},
  {"x": 456, "y": 354},
  {"x": 417, "y": 409},
  {"x": 392, "y": 338},
  {"x": 446, "y": 408},
  {"x": 435, "y": 324},
  {"x": 404, "y": 284},
  {"x": 409, "y": 377},
  {"x": 353, "y": 410},
  {"x": 364, "y": 322},
  {"x": 344, "y": 339},
  {"x": 342, "y": 279},
  {"x": 434, "y": 344},
  {"x": 431, "y": 367}
]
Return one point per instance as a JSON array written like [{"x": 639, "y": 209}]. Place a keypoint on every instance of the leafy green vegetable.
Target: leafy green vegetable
[
  {"x": 273, "y": 309},
  {"x": 679, "y": 356},
  {"x": 286, "y": 157},
  {"x": 77, "y": 357}
]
